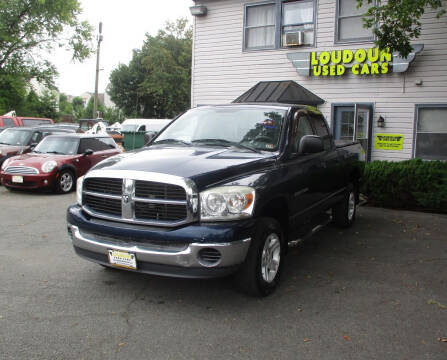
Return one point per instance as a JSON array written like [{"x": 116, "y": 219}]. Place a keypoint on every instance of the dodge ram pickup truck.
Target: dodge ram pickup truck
[{"x": 222, "y": 190}]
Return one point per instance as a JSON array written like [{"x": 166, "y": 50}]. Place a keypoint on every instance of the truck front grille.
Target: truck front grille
[
  {"x": 104, "y": 185},
  {"x": 102, "y": 205},
  {"x": 140, "y": 201},
  {"x": 154, "y": 190},
  {"x": 164, "y": 212}
]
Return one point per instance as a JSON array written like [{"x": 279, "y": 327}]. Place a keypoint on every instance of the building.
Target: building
[{"x": 396, "y": 107}]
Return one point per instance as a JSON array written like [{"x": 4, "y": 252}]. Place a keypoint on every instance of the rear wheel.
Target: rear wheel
[
  {"x": 343, "y": 213},
  {"x": 260, "y": 273},
  {"x": 65, "y": 182}
]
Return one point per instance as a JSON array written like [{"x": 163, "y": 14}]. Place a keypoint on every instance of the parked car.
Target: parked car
[
  {"x": 14, "y": 121},
  {"x": 57, "y": 162},
  {"x": 21, "y": 140},
  {"x": 222, "y": 190}
]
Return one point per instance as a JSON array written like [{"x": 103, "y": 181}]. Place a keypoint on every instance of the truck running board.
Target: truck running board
[{"x": 315, "y": 229}]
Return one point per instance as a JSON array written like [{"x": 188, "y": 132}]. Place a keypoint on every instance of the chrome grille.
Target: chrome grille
[
  {"x": 154, "y": 190},
  {"x": 102, "y": 205},
  {"x": 164, "y": 212},
  {"x": 104, "y": 185},
  {"x": 136, "y": 198},
  {"x": 22, "y": 170}
]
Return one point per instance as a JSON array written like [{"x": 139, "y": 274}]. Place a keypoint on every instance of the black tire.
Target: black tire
[
  {"x": 251, "y": 277},
  {"x": 65, "y": 182},
  {"x": 343, "y": 213}
]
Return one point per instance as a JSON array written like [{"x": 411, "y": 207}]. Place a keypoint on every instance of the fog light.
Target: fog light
[{"x": 45, "y": 182}]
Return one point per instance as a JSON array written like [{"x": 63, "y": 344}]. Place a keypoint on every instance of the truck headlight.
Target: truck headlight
[
  {"x": 227, "y": 203},
  {"x": 79, "y": 190},
  {"x": 49, "y": 166}
]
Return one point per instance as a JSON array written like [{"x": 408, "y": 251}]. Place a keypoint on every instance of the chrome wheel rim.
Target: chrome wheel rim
[
  {"x": 351, "y": 206},
  {"x": 271, "y": 256},
  {"x": 66, "y": 182}
]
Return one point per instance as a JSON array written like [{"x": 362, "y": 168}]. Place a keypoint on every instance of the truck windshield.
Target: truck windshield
[
  {"x": 15, "y": 137},
  {"x": 58, "y": 145},
  {"x": 257, "y": 128}
]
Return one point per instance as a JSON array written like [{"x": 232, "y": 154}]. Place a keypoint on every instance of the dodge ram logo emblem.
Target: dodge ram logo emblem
[{"x": 125, "y": 199}]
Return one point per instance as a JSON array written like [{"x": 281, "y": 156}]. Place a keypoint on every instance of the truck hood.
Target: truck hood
[{"x": 203, "y": 164}]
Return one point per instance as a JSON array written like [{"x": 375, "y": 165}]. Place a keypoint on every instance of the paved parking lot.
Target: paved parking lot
[{"x": 376, "y": 291}]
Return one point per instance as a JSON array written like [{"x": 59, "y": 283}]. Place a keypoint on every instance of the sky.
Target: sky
[{"x": 124, "y": 25}]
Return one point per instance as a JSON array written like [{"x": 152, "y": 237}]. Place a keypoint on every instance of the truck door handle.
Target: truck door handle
[{"x": 104, "y": 156}]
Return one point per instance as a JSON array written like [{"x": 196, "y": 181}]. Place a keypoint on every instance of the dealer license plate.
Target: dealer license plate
[
  {"x": 17, "y": 179},
  {"x": 122, "y": 259}
]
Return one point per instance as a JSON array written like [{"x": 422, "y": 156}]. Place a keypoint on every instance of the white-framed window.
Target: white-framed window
[
  {"x": 279, "y": 23},
  {"x": 431, "y": 132},
  {"x": 298, "y": 17},
  {"x": 260, "y": 24},
  {"x": 349, "y": 23}
]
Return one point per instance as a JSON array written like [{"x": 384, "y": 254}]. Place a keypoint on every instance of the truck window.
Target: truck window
[
  {"x": 302, "y": 128},
  {"x": 322, "y": 130}
]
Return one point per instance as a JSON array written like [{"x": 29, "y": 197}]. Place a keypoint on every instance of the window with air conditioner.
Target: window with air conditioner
[{"x": 298, "y": 23}]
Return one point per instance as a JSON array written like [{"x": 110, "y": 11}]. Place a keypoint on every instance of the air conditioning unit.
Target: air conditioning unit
[{"x": 295, "y": 38}]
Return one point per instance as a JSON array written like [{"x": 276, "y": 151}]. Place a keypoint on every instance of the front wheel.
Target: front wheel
[
  {"x": 65, "y": 182},
  {"x": 260, "y": 273},
  {"x": 343, "y": 213}
]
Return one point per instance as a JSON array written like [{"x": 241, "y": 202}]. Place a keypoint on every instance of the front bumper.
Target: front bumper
[
  {"x": 181, "y": 252},
  {"x": 29, "y": 181}
]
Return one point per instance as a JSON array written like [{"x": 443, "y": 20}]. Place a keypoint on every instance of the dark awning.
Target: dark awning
[{"x": 287, "y": 92}]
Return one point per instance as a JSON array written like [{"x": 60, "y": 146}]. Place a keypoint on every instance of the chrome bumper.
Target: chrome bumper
[{"x": 232, "y": 253}]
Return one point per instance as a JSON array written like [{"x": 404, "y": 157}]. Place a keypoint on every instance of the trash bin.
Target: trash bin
[{"x": 133, "y": 140}]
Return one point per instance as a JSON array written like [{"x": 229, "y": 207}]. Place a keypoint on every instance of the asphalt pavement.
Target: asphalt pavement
[{"x": 375, "y": 291}]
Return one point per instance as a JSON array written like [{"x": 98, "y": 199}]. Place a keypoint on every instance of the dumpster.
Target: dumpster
[{"x": 133, "y": 140}]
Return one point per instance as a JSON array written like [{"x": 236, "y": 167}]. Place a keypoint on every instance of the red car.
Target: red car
[{"x": 57, "y": 162}]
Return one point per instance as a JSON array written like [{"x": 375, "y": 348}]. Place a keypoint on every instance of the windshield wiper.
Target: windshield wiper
[
  {"x": 224, "y": 142},
  {"x": 175, "y": 141},
  {"x": 4, "y": 143},
  {"x": 54, "y": 152}
]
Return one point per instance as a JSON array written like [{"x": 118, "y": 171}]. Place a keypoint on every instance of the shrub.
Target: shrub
[{"x": 411, "y": 184}]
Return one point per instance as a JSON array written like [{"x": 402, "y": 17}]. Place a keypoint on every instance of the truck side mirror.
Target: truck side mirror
[{"x": 311, "y": 144}]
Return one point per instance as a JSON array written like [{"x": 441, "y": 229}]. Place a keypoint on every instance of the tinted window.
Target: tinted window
[
  {"x": 37, "y": 136},
  {"x": 108, "y": 143},
  {"x": 7, "y": 122},
  {"x": 322, "y": 130},
  {"x": 301, "y": 128},
  {"x": 92, "y": 144}
]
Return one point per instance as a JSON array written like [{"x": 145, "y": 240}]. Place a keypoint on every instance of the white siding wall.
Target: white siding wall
[{"x": 222, "y": 71}]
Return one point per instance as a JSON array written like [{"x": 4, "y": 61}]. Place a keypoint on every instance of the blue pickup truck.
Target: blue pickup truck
[{"x": 222, "y": 190}]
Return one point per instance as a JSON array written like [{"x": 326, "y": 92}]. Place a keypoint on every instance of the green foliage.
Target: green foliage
[
  {"x": 28, "y": 27},
  {"x": 65, "y": 107},
  {"x": 412, "y": 184},
  {"x": 39, "y": 106},
  {"x": 156, "y": 83},
  {"x": 398, "y": 21}
]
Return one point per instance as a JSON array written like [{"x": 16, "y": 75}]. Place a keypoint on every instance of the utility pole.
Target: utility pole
[{"x": 95, "y": 100}]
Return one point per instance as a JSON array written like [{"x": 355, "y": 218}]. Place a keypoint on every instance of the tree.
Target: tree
[
  {"x": 27, "y": 27},
  {"x": 156, "y": 83},
  {"x": 396, "y": 22}
]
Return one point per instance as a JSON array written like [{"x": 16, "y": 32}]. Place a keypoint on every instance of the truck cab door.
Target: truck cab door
[{"x": 303, "y": 172}]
